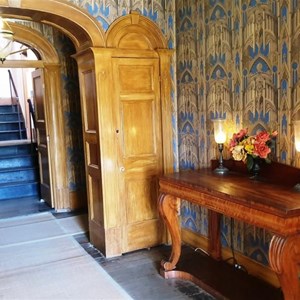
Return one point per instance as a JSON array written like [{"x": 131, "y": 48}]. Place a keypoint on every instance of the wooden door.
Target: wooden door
[
  {"x": 137, "y": 110},
  {"x": 42, "y": 136}
]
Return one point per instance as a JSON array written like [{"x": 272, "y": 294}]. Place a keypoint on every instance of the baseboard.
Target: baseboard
[{"x": 254, "y": 268}]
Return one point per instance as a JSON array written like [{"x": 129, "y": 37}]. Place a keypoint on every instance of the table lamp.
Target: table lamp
[{"x": 220, "y": 138}]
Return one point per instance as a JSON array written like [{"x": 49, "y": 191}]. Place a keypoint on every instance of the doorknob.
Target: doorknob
[{"x": 122, "y": 169}]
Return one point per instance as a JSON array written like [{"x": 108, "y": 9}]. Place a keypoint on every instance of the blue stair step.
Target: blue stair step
[
  {"x": 8, "y": 108},
  {"x": 18, "y": 175},
  {"x": 17, "y": 161},
  {"x": 17, "y": 149},
  {"x": 13, "y": 135},
  {"x": 14, "y": 125},
  {"x": 20, "y": 190},
  {"x": 10, "y": 117}
]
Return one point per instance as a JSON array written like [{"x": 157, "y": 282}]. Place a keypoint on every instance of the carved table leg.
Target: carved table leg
[
  {"x": 284, "y": 255},
  {"x": 168, "y": 209}
]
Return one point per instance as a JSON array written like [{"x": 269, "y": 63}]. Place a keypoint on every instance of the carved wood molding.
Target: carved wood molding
[{"x": 135, "y": 32}]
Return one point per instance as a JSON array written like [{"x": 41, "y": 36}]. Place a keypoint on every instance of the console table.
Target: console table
[{"x": 266, "y": 204}]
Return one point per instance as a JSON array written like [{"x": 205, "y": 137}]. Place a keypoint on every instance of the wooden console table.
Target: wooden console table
[{"x": 264, "y": 204}]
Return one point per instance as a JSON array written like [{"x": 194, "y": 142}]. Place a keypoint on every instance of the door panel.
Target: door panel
[
  {"x": 138, "y": 115},
  {"x": 42, "y": 140},
  {"x": 92, "y": 156}
]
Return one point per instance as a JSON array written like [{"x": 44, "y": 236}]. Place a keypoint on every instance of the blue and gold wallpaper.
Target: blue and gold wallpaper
[{"x": 240, "y": 60}]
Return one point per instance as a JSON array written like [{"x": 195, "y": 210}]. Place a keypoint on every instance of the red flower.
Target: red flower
[
  {"x": 262, "y": 137},
  {"x": 241, "y": 134},
  {"x": 261, "y": 149}
]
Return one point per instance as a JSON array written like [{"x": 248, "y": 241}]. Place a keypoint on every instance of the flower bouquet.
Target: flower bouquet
[{"x": 250, "y": 148}]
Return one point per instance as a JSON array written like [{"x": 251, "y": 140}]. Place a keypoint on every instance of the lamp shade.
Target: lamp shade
[
  {"x": 219, "y": 131},
  {"x": 297, "y": 134},
  {"x": 6, "y": 39}
]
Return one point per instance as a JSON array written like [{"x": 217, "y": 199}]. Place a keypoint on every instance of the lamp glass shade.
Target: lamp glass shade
[
  {"x": 6, "y": 39},
  {"x": 297, "y": 134},
  {"x": 219, "y": 131}
]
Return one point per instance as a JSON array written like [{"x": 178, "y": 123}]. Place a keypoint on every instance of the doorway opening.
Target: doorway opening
[{"x": 71, "y": 121}]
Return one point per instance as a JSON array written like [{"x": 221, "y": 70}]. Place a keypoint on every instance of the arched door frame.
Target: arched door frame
[
  {"x": 85, "y": 32},
  {"x": 51, "y": 68},
  {"x": 81, "y": 28}
]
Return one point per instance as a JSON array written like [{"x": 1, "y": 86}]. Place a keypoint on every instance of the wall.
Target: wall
[{"x": 237, "y": 59}]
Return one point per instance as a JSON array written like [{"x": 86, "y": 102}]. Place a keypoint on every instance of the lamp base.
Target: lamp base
[
  {"x": 221, "y": 170},
  {"x": 297, "y": 187}
]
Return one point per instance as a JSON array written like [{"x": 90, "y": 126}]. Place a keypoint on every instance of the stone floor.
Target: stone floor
[{"x": 138, "y": 272}]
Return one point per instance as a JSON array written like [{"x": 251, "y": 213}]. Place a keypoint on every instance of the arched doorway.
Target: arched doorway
[
  {"x": 84, "y": 32},
  {"x": 57, "y": 159},
  {"x": 47, "y": 57},
  {"x": 105, "y": 64}
]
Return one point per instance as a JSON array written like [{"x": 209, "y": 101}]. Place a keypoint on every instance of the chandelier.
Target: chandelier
[{"x": 6, "y": 40}]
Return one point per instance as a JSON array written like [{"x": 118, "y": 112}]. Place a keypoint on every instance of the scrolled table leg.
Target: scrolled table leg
[
  {"x": 168, "y": 209},
  {"x": 284, "y": 255}
]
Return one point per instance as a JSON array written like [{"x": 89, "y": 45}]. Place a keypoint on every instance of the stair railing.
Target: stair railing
[
  {"x": 32, "y": 121},
  {"x": 12, "y": 87}
]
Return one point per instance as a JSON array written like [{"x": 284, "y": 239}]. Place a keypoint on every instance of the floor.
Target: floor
[{"x": 138, "y": 272}]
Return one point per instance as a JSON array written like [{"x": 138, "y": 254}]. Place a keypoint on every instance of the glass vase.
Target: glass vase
[{"x": 255, "y": 170}]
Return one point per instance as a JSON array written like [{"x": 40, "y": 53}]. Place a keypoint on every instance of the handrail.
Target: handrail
[
  {"x": 31, "y": 117},
  {"x": 12, "y": 85},
  {"x": 11, "y": 80}
]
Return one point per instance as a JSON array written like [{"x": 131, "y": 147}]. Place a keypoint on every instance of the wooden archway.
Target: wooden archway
[
  {"x": 50, "y": 65},
  {"x": 77, "y": 24},
  {"x": 36, "y": 40},
  {"x": 85, "y": 32}
]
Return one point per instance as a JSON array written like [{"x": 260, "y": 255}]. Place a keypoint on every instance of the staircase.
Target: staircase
[
  {"x": 19, "y": 176},
  {"x": 12, "y": 125}
]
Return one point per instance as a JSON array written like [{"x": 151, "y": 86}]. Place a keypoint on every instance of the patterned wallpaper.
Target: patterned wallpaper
[
  {"x": 72, "y": 111},
  {"x": 240, "y": 60}
]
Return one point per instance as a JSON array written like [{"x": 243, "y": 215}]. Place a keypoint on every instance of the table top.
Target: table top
[{"x": 238, "y": 196}]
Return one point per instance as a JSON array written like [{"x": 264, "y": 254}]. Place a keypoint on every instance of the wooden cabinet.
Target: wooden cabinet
[{"x": 128, "y": 142}]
